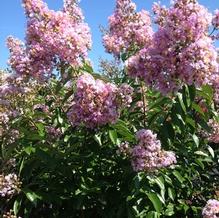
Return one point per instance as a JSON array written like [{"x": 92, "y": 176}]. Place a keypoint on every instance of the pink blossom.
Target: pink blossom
[
  {"x": 52, "y": 36},
  {"x": 127, "y": 28},
  {"x": 124, "y": 149},
  {"x": 215, "y": 20},
  {"x": 211, "y": 209},
  {"x": 97, "y": 103},
  {"x": 125, "y": 93},
  {"x": 147, "y": 155},
  {"x": 94, "y": 103},
  {"x": 9, "y": 185},
  {"x": 53, "y": 132},
  {"x": 213, "y": 136},
  {"x": 181, "y": 52}
]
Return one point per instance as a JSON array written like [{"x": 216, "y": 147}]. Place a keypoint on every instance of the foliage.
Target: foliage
[{"x": 80, "y": 173}]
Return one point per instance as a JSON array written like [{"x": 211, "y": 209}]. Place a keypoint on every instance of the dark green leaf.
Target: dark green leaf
[
  {"x": 155, "y": 201},
  {"x": 178, "y": 176},
  {"x": 17, "y": 205}
]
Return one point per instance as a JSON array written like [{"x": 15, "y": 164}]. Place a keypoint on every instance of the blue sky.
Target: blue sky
[{"x": 13, "y": 22}]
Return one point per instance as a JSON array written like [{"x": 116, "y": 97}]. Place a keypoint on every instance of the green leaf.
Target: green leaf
[
  {"x": 178, "y": 176},
  {"x": 31, "y": 196},
  {"x": 167, "y": 131},
  {"x": 113, "y": 136},
  {"x": 198, "y": 108},
  {"x": 29, "y": 150},
  {"x": 200, "y": 163},
  {"x": 195, "y": 209},
  {"x": 160, "y": 182},
  {"x": 191, "y": 122},
  {"x": 60, "y": 119},
  {"x": 192, "y": 92},
  {"x": 170, "y": 210},
  {"x": 66, "y": 138},
  {"x": 179, "y": 95},
  {"x": 185, "y": 207},
  {"x": 152, "y": 214},
  {"x": 33, "y": 136},
  {"x": 158, "y": 102},
  {"x": 204, "y": 125},
  {"x": 201, "y": 153},
  {"x": 211, "y": 151},
  {"x": 196, "y": 140},
  {"x": 207, "y": 92},
  {"x": 88, "y": 68},
  {"x": 180, "y": 118},
  {"x": 171, "y": 193},
  {"x": 97, "y": 138},
  {"x": 155, "y": 201},
  {"x": 122, "y": 129},
  {"x": 41, "y": 129},
  {"x": 21, "y": 165},
  {"x": 168, "y": 180},
  {"x": 17, "y": 205}
]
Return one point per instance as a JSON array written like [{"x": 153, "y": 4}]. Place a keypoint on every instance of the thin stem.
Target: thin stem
[{"x": 212, "y": 31}]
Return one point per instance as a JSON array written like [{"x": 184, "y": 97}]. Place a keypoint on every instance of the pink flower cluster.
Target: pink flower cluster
[
  {"x": 53, "y": 133},
  {"x": 127, "y": 28},
  {"x": 215, "y": 20},
  {"x": 124, "y": 149},
  {"x": 52, "y": 36},
  {"x": 16, "y": 98},
  {"x": 211, "y": 209},
  {"x": 9, "y": 91},
  {"x": 11, "y": 84},
  {"x": 10, "y": 214},
  {"x": 97, "y": 103},
  {"x": 11, "y": 88},
  {"x": 94, "y": 103},
  {"x": 181, "y": 52},
  {"x": 125, "y": 93},
  {"x": 31, "y": 61},
  {"x": 147, "y": 155},
  {"x": 9, "y": 185},
  {"x": 214, "y": 135}
]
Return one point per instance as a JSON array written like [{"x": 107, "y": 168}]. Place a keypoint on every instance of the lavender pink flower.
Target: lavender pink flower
[
  {"x": 211, "y": 209},
  {"x": 97, "y": 103},
  {"x": 147, "y": 155},
  {"x": 125, "y": 93},
  {"x": 181, "y": 52},
  {"x": 127, "y": 28},
  {"x": 53, "y": 132},
  {"x": 213, "y": 136},
  {"x": 52, "y": 36},
  {"x": 10, "y": 214},
  {"x": 124, "y": 149},
  {"x": 215, "y": 20},
  {"x": 9, "y": 185},
  {"x": 94, "y": 103}
]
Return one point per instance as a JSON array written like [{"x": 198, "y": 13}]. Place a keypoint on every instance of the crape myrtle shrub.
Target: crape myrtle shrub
[{"x": 138, "y": 140}]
